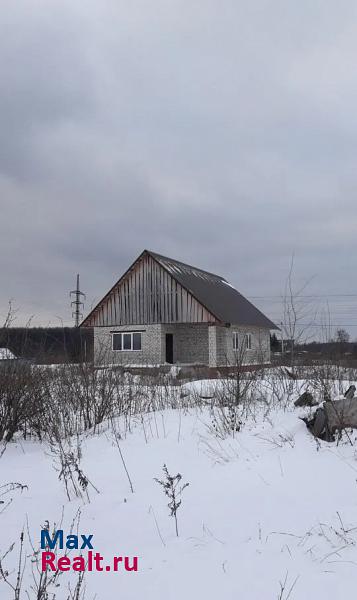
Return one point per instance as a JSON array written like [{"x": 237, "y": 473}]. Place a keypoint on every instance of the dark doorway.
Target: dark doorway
[{"x": 169, "y": 348}]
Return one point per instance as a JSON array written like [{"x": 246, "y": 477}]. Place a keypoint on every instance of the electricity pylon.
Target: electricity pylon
[{"x": 77, "y": 303}]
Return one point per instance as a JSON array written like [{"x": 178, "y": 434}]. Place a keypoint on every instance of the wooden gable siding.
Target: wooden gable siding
[{"x": 148, "y": 294}]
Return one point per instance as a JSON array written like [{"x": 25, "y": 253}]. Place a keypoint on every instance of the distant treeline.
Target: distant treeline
[
  {"x": 331, "y": 348},
  {"x": 47, "y": 345}
]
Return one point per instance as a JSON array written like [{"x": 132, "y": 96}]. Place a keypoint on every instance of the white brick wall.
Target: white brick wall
[
  {"x": 192, "y": 344},
  {"x": 221, "y": 352},
  {"x": 150, "y": 354}
]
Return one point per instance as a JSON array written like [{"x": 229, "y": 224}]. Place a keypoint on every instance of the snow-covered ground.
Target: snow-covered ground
[{"x": 264, "y": 507}]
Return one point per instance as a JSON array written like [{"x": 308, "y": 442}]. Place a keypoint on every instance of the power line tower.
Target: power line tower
[{"x": 77, "y": 303}]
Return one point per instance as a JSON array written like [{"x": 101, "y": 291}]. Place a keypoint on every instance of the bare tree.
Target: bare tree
[
  {"x": 342, "y": 336},
  {"x": 298, "y": 314}
]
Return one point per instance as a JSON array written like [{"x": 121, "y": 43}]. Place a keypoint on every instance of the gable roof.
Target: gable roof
[
  {"x": 215, "y": 293},
  {"x": 218, "y": 296}
]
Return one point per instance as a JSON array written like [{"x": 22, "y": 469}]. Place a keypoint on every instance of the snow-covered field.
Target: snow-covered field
[{"x": 264, "y": 507}]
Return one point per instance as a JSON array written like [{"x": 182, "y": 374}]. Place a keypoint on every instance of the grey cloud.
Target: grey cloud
[{"x": 223, "y": 134}]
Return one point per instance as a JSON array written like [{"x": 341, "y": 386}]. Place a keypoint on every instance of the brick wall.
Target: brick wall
[
  {"x": 151, "y": 346},
  {"x": 192, "y": 344},
  {"x": 221, "y": 352}
]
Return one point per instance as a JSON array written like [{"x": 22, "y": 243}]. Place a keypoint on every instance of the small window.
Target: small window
[
  {"x": 235, "y": 340},
  {"x": 248, "y": 341},
  {"x": 126, "y": 341}
]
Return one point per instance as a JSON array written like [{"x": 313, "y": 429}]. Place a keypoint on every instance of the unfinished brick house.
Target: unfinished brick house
[{"x": 164, "y": 311}]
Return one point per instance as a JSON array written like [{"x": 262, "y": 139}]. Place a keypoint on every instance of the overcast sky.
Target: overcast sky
[{"x": 222, "y": 133}]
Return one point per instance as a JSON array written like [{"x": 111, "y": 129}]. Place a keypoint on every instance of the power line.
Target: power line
[
  {"x": 298, "y": 296},
  {"x": 326, "y": 325}
]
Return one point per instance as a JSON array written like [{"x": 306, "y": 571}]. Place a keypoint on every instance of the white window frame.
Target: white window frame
[
  {"x": 131, "y": 333},
  {"x": 248, "y": 341},
  {"x": 235, "y": 341}
]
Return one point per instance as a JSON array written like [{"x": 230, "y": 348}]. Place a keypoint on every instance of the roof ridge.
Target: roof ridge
[{"x": 179, "y": 262}]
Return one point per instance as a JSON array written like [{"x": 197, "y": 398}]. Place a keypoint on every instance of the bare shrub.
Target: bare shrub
[
  {"x": 285, "y": 589},
  {"x": 5, "y": 490},
  {"x": 46, "y": 583},
  {"x": 5, "y": 575},
  {"x": 117, "y": 438},
  {"x": 22, "y": 395},
  {"x": 171, "y": 488},
  {"x": 79, "y": 591},
  {"x": 85, "y": 393},
  {"x": 67, "y": 462}
]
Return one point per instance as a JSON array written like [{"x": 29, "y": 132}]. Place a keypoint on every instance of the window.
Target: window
[
  {"x": 235, "y": 340},
  {"x": 126, "y": 341},
  {"x": 247, "y": 341},
  {"x": 116, "y": 341},
  {"x": 136, "y": 341}
]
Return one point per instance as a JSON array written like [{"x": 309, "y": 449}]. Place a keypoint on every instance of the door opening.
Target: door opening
[{"x": 170, "y": 348}]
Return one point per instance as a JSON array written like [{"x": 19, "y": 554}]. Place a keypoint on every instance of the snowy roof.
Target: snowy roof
[{"x": 6, "y": 354}]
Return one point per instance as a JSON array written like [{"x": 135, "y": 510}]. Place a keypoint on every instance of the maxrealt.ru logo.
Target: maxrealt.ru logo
[{"x": 87, "y": 561}]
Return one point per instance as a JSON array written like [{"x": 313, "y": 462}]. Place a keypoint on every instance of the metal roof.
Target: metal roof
[{"x": 215, "y": 293}]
